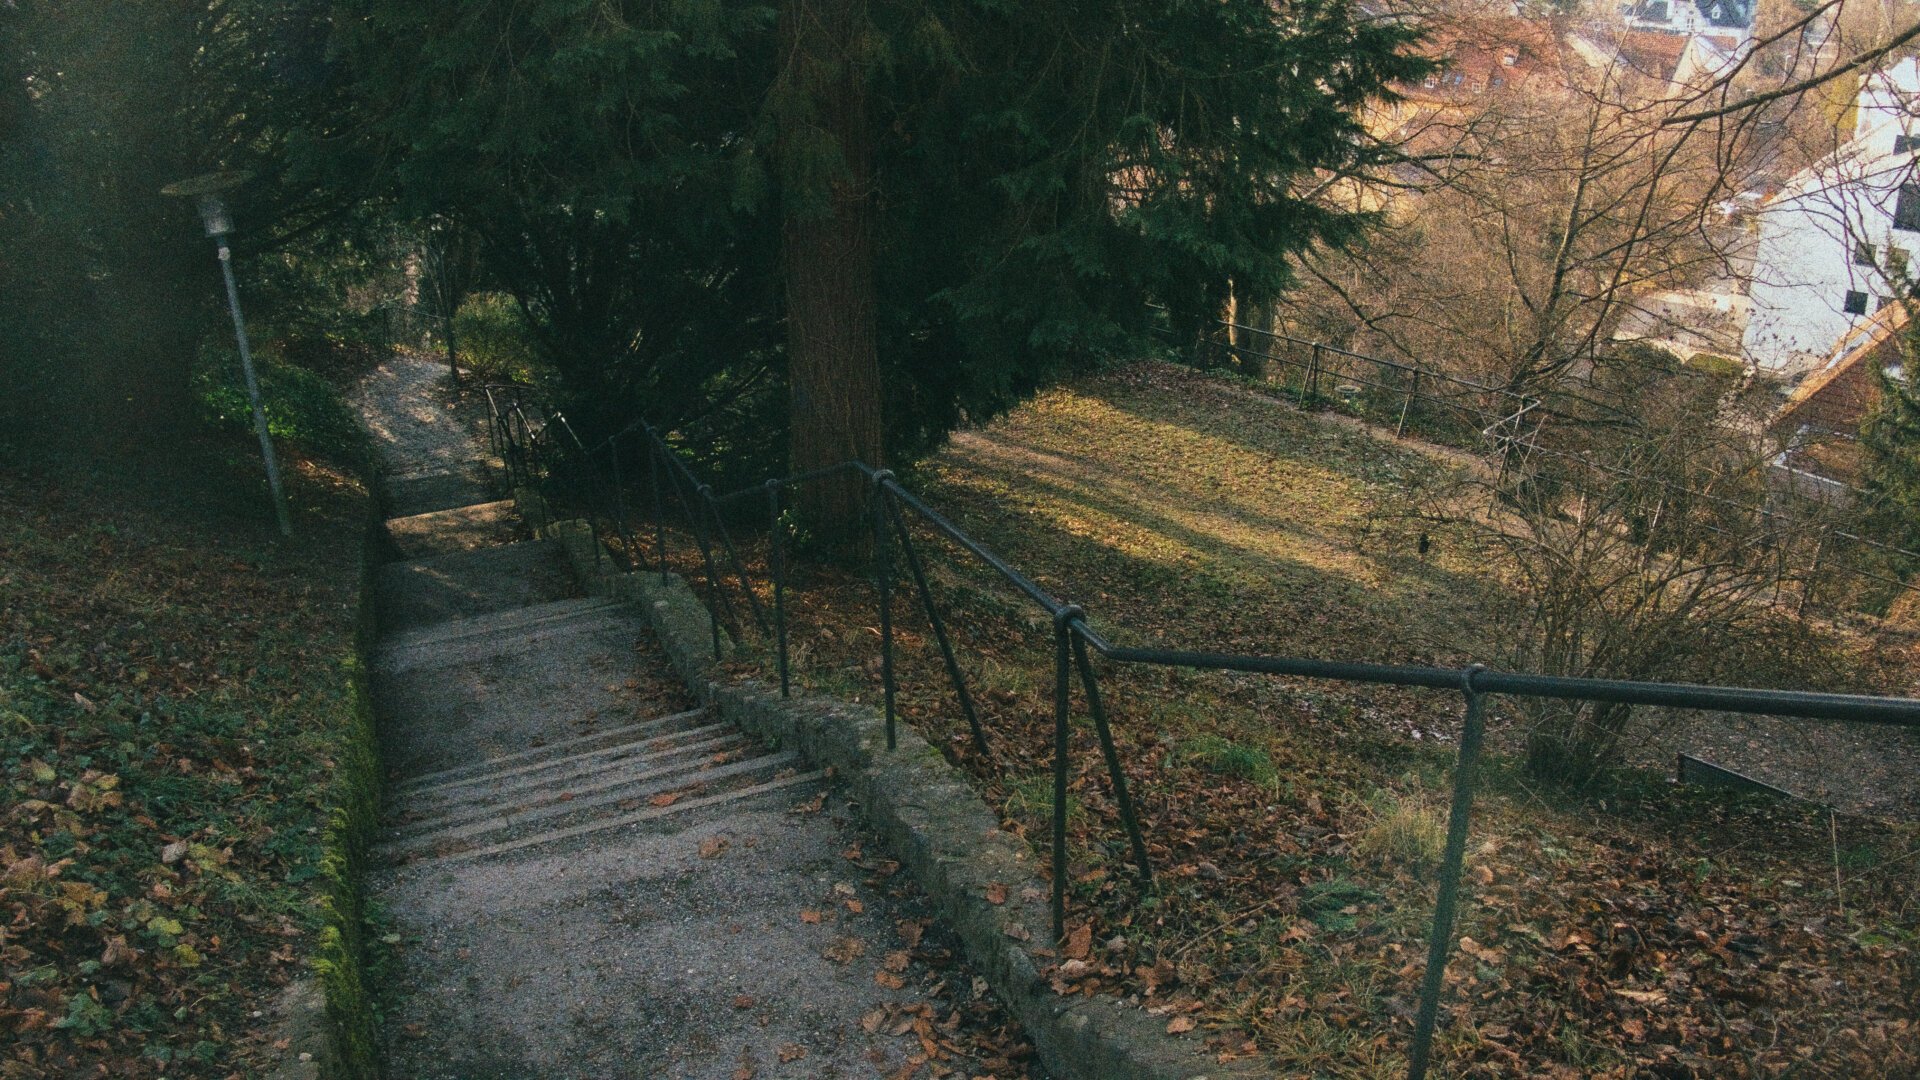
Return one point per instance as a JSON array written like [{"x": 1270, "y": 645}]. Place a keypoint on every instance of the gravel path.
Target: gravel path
[{"x": 584, "y": 875}]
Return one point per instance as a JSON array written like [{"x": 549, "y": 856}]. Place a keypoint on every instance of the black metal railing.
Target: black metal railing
[{"x": 1076, "y": 642}]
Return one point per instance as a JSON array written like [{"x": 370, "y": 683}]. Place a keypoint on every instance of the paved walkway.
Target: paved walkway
[{"x": 588, "y": 876}]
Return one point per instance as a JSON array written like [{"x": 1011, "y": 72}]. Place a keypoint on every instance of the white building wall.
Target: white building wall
[{"x": 1806, "y": 260}]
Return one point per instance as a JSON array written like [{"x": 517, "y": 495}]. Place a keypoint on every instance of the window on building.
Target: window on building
[
  {"x": 1856, "y": 303},
  {"x": 1862, "y": 253},
  {"x": 1896, "y": 260},
  {"x": 1906, "y": 212},
  {"x": 1904, "y": 143},
  {"x": 1509, "y": 58},
  {"x": 1430, "y": 81},
  {"x": 1457, "y": 78}
]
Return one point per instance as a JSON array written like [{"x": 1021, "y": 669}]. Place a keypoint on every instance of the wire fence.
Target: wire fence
[
  {"x": 1506, "y": 428},
  {"x": 539, "y": 448}
]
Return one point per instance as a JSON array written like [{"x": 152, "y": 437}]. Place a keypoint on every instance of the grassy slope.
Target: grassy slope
[
  {"x": 177, "y": 739},
  {"x": 1294, "y": 824}
]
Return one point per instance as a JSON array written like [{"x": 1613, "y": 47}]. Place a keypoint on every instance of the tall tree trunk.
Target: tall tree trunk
[{"x": 827, "y": 247}]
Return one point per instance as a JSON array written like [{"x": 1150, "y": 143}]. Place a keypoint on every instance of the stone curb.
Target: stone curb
[{"x": 944, "y": 834}]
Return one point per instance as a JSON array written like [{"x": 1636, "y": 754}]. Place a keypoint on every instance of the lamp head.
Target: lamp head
[{"x": 205, "y": 191}]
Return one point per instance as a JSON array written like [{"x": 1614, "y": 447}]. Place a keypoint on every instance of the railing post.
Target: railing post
[
  {"x": 1310, "y": 383},
  {"x": 1062, "y": 689},
  {"x": 777, "y": 563},
  {"x": 1440, "y": 940},
  {"x": 703, "y": 493},
  {"x": 939, "y": 629},
  {"x": 883, "y": 581},
  {"x": 659, "y": 517},
  {"x": 620, "y": 504},
  {"x": 1115, "y": 775}
]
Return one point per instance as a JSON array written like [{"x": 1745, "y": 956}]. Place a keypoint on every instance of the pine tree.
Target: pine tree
[
  {"x": 1890, "y": 439},
  {"x": 912, "y": 211}
]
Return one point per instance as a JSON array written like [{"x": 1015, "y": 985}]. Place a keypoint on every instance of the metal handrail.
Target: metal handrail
[{"x": 1074, "y": 636}]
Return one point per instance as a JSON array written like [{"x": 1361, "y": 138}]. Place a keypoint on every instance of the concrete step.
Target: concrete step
[
  {"x": 528, "y": 793},
  {"x": 482, "y": 700},
  {"x": 683, "y": 724},
  {"x": 681, "y": 814},
  {"x": 475, "y": 637},
  {"x": 424, "y": 592},
  {"x": 462, "y": 528},
  {"x": 628, "y": 795},
  {"x": 566, "y": 771},
  {"x": 437, "y": 488}
]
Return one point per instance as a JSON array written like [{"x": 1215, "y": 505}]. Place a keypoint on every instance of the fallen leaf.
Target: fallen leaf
[
  {"x": 996, "y": 893},
  {"x": 1180, "y": 1025},
  {"x": 895, "y": 961},
  {"x": 666, "y": 798},
  {"x": 713, "y": 846},
  {"x": 173, "y": 852},
  {"x": 1079, "y": 942},
  {"x": 792, "y": 1052},
  {"x": 812, "y": 916},
  {"x": 1644, "y": 997},
  {"x": 872, "y": 1022},
  {"x": 743, "y": 1001},
  {"x": 889, "y": 980},
  {"x": 845, "y": 950},
  {"x": 855, "y": 906}
]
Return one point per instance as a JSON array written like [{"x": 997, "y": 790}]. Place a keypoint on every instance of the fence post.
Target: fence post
[
  {"x": 1310, "y": 383},
  {"x": 1440, "y": 940},
  {"x": 777, "y": 560},
  {"x": 1062, "y": 688},
  {"x": 883, "y": 579},
  {"x": 1806, "y": 590},
  {"x": 1413, "y": 391}
]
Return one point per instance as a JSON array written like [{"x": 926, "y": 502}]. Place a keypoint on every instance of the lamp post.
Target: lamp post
[{"x": 205, "y": 190}]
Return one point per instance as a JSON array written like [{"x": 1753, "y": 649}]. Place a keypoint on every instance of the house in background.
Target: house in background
[
  {"x": 1819, "y": 425},
  {"x": 1731, "y": 20},
  {"x": 1835, "y": 244}
]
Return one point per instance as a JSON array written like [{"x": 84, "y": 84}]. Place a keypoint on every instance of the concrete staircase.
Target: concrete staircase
[{"x": 583, "y": 874}]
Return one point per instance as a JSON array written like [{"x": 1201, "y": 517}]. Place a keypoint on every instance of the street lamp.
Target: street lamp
[{"x": 205, "y": 190}]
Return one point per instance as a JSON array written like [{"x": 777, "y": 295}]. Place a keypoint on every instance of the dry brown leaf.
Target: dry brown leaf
[
  {"x": 743, "y": 1001},
  {"x": 889, "y": 980},
  {"x": 666, "y": 798},
  {"x": 812, "y": 916},
  {"x": 1180, "y": 1025},
  {"x": 1079, "y": 942},
  {"x": 896, "y": 961},
  {"x": 996, "y": 893},
  {"x": 713, "y": 846},
  {"x": 845, "y": 950},
  {"x": 872, "y": 1022},
  {"x": 792, "y": 1052}
]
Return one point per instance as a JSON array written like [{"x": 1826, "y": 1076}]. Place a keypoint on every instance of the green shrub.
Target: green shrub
[
  {"x": 302, "y": 407},
  {"x": 493, "y": 341}
]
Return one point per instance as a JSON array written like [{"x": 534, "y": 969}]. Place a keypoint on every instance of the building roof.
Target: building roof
[
  {"x": 1484, "y": 53},
  {"x": 1859, "y": 346}
]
